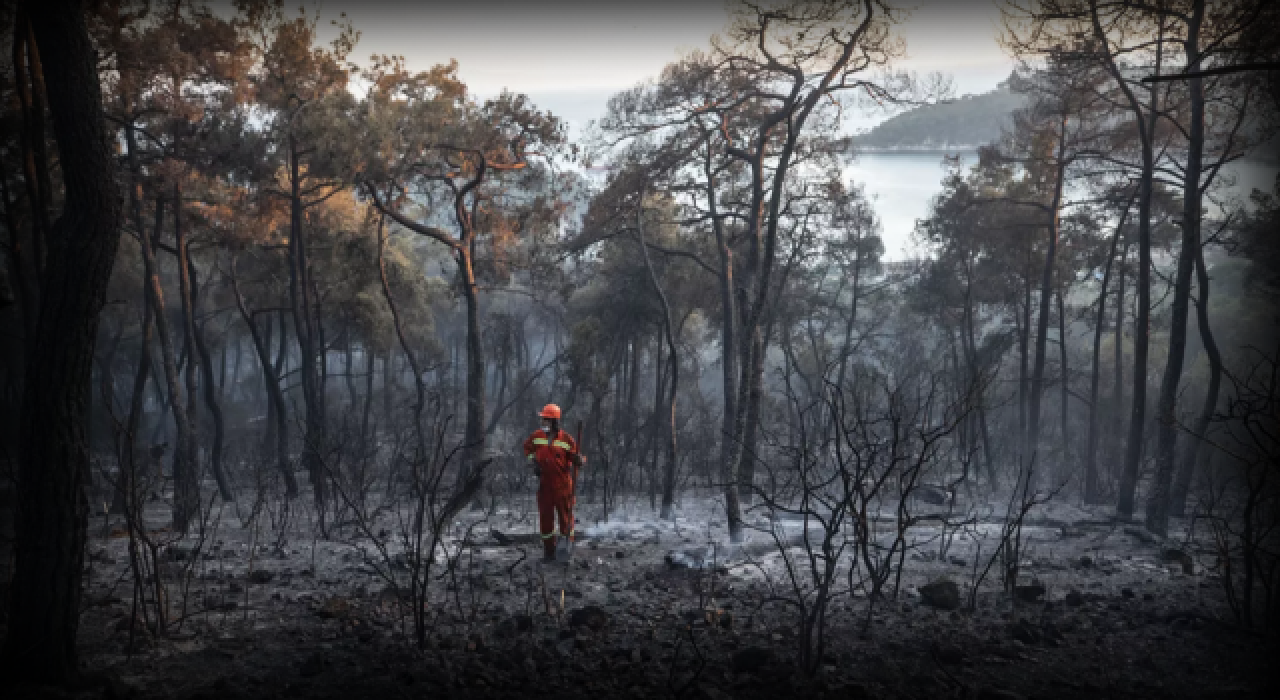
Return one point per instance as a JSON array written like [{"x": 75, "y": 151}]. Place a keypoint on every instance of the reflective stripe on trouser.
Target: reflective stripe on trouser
[{"x": 554, "y": 508}]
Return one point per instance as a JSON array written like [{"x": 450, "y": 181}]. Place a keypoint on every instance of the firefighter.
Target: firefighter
[{"x": 553, "y": 454}]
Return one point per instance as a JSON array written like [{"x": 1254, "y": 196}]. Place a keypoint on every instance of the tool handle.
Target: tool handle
[{"x": 577, "y": 449}]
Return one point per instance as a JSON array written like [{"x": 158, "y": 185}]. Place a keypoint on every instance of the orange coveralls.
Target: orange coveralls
[{"x": 553, "y": 456}]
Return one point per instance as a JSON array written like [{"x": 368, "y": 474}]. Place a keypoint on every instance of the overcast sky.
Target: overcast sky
[{"x": 571, "y": 55}]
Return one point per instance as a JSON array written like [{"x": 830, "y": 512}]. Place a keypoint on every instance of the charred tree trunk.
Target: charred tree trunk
[
  {"x": 126, "y": 493},
  {"x": 215, "y": 413},
  {"x": 1117, "y": 390},
  {"x": 271, "y": 378},
  {"x": 846, "y": 345},
  {"x": 1064, "y": 390},
  {"x": 1195, "y": 451},
  {"x": 29, "y": 81},
  {"x": 654, "y": 449},
  {"x": 632, "y": 415},
  {"x": 463, "y": 249},
  {"x": 52, "y": 509},
  {"x": 196, "y": 337},
  {"x": 186, "y": 495},
  {"x": 186, "y": 304},
  {"x": 754, "y": 394},
  {"x": 420, "y": 389},
  {"x": 305, "y": 333},
  {"x": 1142, "y": 324},
  {"x": 1024, "y": 363},
  {"x": 957, "y": 386},
  {"x": 1046, "y": 293},
  {"x": 1157, "y": 515},
  {"x": 1091, "y": 448},
  {"x": 976, "y": 378},
  {"x": 21, "y": 280},
  {"x": 728, "y": 360},
  {"x": 196, "y": 345},
  {"x": 669, "y": 410},
  {"x": 24, "y": 242},
  {"x": 475, "y": 435},
  {"x": 762, "y": 237}
]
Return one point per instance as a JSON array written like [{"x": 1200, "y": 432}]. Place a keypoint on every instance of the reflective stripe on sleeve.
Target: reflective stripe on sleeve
[
  {"x": 561, "y": 445},
  {"x": 539, "y": 441}
]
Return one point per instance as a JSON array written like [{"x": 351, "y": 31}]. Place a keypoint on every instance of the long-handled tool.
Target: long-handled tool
[{"x": 565, "y": 552}]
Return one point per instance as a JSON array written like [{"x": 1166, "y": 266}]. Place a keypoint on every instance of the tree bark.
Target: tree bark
[
  {"x": 969, "y": 342},
  {"x": 1024, "y": 358},
  {"x": 1157, "y": 515},
  {"x": 1065, "y": 470},
  {"x": 1195, "y": 451},
  {"x": 52, "y": 511},
  {"x": 211, "y": 392},
  {"x": 673, "y": 356},
  {"x": 1142, "y": 324},
  {"x": 753, "y": 395},
  {"x": 30, "y": 91},
  {"x": 22, "y": 274},
  {"x": 127, "y": 495},
  {"x": 305, "y": 332},
  {"x": 1116, "y": 443},
  {"x": 1091, "y": 449},
  {"x": 654, "y": 450},
  {"x": 762, "y": 228},
  {"x": 186, "y": 494},
  {"x": 271, "y": 378},
  {"x": 475, "y": 435},
  {"x": 463, "y": 249},
  {"x": 420, "y": 388},
  {"x": 728, "y": 360},
  {"x": 846, "y": 345},
  {"x": 1046, "y": 293},
  {"x": 196, "y": 366}
]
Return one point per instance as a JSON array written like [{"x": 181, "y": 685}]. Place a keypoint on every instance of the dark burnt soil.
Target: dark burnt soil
[{"x": 636, "y": 624}]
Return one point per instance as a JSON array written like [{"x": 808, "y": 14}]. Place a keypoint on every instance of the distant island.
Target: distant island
[{"x": 961, "y": 124}]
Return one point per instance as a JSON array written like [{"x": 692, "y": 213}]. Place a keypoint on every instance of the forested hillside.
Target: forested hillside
[{"x": 960, "y": 124}]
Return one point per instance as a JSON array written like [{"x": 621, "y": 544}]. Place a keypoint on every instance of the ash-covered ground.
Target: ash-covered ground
[{"x": 651, "y": 608}]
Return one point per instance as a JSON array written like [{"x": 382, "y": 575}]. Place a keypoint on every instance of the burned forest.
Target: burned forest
[{"x": 345, "y": 353}]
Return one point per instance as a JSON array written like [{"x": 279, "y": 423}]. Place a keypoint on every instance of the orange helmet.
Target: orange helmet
[{"x": 551, "y": 411}]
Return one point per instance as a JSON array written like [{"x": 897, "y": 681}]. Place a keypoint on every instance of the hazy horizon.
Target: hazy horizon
[{"x": 570, "y": 56}]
